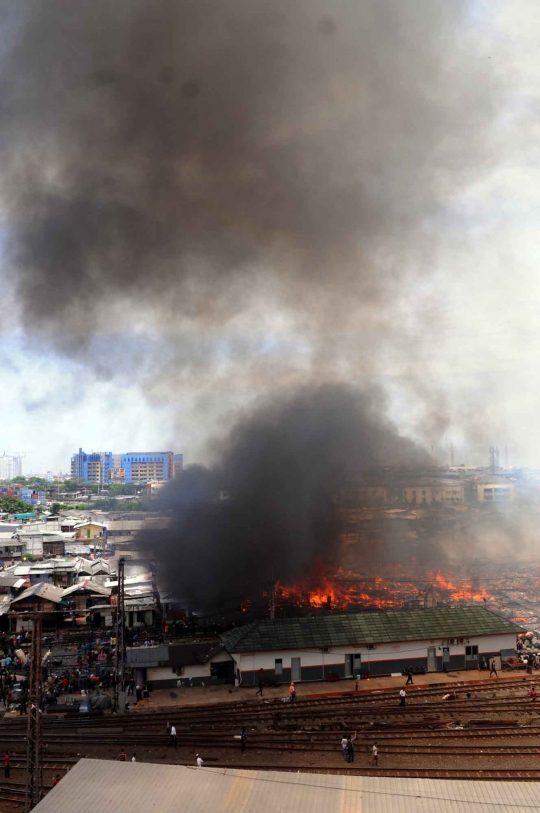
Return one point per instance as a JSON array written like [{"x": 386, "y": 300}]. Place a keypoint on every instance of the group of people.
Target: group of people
[{"x": 347, "y": 749}]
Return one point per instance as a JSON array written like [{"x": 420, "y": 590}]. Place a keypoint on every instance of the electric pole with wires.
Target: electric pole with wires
[
  {"x": 119, "y": 663},
  {"x": 34, "y": 743}
]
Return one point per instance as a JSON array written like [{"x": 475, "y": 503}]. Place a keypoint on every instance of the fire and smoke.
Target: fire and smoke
[
  {"x": 203, "y": 193},
  {"x": 281, "y": 468}
]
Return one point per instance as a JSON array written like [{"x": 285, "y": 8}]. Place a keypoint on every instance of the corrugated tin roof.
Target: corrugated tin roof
[
  {"x": 366, "y": 628},
  {"x": 42, "y": 590},
  {"x": 87, "y": 586},
  {"x": 124, "y": 787}
]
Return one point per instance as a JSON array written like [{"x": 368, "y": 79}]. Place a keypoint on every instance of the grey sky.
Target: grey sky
[{"x": 379, "y": 224}]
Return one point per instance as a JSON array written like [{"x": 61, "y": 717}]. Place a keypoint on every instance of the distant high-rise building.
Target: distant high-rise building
[
  {"x": 91, "y": 467},
  {"x": 11, "y": 466},
  {"x": 17, "y": 466},
  {"x": 178, "y": 464},
  {"x": 132, "y": 467},
  {"x": 6, "y": 467},
  {"x": 144, "y": 467}
]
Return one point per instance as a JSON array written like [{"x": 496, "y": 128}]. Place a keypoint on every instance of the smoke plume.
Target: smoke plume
[
  {"x": 280, "y": 469},
  {"x": 177, "y": 168}
]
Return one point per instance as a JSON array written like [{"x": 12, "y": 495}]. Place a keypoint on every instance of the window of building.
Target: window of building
[{"x": 471, "y": 651}]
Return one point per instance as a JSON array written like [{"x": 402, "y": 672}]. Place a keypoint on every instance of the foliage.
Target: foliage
[
  {"x": 14, "y": 506},
  {"x": 114, "y": 505}
]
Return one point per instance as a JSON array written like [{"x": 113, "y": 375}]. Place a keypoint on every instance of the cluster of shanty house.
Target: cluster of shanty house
[
  {"x": 333, "y": 647},
  {"x": 50, "y": 537},
  {"x": 76, "y": 591}
]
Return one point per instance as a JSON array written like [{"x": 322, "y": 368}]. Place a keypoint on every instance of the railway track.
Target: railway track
[{"x": 497, "y": 723}]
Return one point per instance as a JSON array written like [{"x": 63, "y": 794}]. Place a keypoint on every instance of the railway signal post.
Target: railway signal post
[
  {"x": 119, "y": 664},
  {"x": 34, "y": 743}
]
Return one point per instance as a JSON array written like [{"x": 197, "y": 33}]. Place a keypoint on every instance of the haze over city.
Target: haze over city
[{"x": 376, "y": 236}]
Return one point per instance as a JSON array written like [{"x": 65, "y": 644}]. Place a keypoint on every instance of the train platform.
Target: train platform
[{"x": 198, "y": 695}]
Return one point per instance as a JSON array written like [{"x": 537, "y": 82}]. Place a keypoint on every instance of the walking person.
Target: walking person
[
  {"x": 199, "y": 761},
  {"x": 374, "y": 761},
  {"x": 532, "y": 694},
  {"x": 260, "y": 689},
  {"x": 350, "y": 748},
  {"x": 56, "y": 780},
  {"x": 173, "y": 741},
  {"x": 402, "y": 696},
  {"x": 292, "y": 693},
  {"x": 243, "y": 741},
  {"x": 409, "y": 676},
  {"x": 493, "y": 669},
  {"x": 7, "y": 763}
]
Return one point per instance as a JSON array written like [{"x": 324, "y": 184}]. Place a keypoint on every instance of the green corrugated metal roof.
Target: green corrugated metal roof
[{"x": 366, "y": 628}]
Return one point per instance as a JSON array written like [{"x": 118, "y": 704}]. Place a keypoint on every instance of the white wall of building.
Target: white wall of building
[{"x": 388, "y": 652}]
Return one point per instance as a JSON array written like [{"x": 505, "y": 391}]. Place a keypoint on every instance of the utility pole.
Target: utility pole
[
  {"x": 120, "y": 638},
  {"x": 273, "y": 601},
  {"x": 34, "y": 740}
]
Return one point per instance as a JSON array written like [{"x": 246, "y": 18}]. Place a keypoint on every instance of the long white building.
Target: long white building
[{"x": 380, "y": 643}]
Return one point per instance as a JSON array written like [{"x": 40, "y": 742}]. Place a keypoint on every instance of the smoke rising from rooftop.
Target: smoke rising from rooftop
[
  {"x": 194, "y": 165},
  {"x": 281, "y": 467}
]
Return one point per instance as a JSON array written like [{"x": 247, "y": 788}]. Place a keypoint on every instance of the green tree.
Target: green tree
[{"x": 14, "y": 506}]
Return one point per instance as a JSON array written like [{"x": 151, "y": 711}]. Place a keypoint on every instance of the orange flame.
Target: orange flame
[{"x": 344, "y": 591}]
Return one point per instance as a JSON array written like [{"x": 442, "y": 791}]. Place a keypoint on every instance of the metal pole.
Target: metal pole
[
  {"x": 120, "y": 637},
  {"x": 34, "y": 742}
]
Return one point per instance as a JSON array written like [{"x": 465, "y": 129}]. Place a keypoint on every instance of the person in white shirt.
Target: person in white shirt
[
  {"x": 374, "y": 761},
  {"x": 402, "y": 695},
  {"x": 344, "y": 746},
  {"x": 174, "y": 741},
  {"x": 199, "y": 761},
  {"x": 134, "y": 758}
]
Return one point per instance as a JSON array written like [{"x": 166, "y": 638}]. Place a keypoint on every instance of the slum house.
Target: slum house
[
  {"x": 59, "y": 572},
  {"x": 68, "y": 524},
  {"x": 90, "y": 529},
  {"x": 140, "y": 611},
  {"x": 80, "y": 597},
  {"x": 10, "y": 587},
  {"x": 43, "y": 598},
  {"x": 378, "y": 643},
  {"x": 177, "y": 665},
  {"x": 40, "y": 545},
  {"x": 141, "y": 602}
]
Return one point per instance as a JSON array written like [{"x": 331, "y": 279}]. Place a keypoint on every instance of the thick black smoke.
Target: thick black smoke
[
  {"x": 168, "y": 165},
  {"x": 281, "y": 468}
]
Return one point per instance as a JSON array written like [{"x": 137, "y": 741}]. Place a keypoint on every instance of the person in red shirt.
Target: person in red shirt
[
  {"x": 56, "y": 779},
  {"x": 532, "y": 694},
  {"x": 7, "y": 762}
]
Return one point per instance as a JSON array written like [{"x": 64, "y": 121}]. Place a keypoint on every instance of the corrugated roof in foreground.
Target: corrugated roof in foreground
[
  {"x": 366, "y": 628},
  {"x": 123, "y": 787}
]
